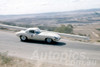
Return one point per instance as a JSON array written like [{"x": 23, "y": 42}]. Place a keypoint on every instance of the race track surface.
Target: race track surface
[{"x": 10, "y": 43}]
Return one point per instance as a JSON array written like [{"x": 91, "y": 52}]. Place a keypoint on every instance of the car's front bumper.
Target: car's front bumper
[{"x": 56, "y": 39}]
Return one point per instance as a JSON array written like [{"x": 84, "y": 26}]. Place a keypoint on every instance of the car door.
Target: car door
[{"x": 33, "y": 35}]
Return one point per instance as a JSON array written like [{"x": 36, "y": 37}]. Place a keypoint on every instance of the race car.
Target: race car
[{"x": 37, "y": 34}]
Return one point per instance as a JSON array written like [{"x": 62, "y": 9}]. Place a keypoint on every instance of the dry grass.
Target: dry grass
[{"x": 8, "y": 61}]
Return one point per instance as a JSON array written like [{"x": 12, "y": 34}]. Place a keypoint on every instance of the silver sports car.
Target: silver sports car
[{"x": 37, "y": 34}]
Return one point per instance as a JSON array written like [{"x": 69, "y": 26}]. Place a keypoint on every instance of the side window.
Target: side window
[{"x": 31, "y": 31}]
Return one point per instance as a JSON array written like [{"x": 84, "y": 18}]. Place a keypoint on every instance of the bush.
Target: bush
[
  {"x": 65, "y": 29},
  {"x": 47, "y": 28},
  {"x": 5, "y": 59},
  {"x": 82, "y": 34},
  {"x": 98, "y": 40},
  {"x": 98, "y": 29}
]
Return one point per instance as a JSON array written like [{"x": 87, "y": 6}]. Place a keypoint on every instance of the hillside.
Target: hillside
[{"x": 79, "y": 16}]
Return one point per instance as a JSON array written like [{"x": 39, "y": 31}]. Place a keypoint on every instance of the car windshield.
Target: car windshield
[{"x": 38, "y": 32}]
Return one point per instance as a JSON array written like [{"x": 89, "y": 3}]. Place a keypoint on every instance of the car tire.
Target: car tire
[
  {"x": 48, "y": 40},
  {"x": 23, "y": 38}
]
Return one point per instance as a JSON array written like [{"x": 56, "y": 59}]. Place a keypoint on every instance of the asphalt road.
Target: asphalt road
[{"x": 86, "y": 52}]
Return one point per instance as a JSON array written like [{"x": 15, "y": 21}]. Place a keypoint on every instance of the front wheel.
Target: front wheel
[
  {"x": 48, "y": 40},
  {"x": 23, "y": 38}
]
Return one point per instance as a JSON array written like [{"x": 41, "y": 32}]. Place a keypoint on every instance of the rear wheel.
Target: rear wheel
[
  {"x": 48, "y": 40},
  {"x": 23, "y": 38}
]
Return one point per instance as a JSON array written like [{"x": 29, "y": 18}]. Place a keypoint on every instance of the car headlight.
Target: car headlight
[{"x": 56, "y": 37}]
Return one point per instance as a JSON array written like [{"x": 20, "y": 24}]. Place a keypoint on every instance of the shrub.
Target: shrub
[
  {"x": 65, "y": 29},
  {"x": 5, "y": 59}
]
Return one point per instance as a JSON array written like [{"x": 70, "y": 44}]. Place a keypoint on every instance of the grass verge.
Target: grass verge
[{"x": 9, "y": 61}]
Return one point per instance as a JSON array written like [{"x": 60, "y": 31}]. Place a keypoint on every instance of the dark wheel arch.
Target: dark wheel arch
[
  {"x": 23, "y": 38},
  {"x": 48, "y": 40}
]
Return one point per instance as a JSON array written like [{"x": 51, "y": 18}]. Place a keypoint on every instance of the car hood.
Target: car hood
[{"x": 49, "y": 34}]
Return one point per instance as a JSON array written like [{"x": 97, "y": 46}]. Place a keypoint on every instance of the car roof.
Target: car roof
[{"x": 33, "y": 29}]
